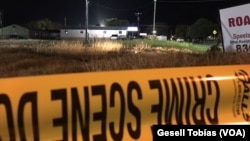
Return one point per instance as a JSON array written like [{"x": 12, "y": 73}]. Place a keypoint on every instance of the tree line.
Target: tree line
[{"x": 201, "y": 29}]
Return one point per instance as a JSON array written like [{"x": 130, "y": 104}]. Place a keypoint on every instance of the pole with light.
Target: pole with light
[
  {"x": 214, "y": 32},
  {"x": 138, "y": 19},
  {"x": 154, "y": 31},
  {"x": 86, "y": 21}
]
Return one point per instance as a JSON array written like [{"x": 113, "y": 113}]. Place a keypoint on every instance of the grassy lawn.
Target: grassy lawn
[{"x": 196, "y": 48}]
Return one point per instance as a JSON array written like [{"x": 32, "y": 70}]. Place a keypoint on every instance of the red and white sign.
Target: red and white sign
[{"x": 235, "y": 24}]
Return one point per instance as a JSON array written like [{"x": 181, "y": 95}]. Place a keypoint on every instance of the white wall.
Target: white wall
[
  {"x": 93, "y": 33},
  {"x": 72, "y": 33},
  {"x": 105, "y": 33}
]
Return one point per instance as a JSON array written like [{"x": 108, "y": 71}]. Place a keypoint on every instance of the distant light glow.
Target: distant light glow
[
  {"x": 132, "y": 29},
  {"x": 102, "y": 24}
]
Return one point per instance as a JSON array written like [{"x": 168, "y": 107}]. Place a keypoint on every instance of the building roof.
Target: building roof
[
  {"x": 14, "y": 25},
  {"x": 99, "y": 28}
]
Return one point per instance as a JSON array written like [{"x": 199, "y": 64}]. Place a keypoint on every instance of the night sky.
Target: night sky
[{"x": 171, "y": 12}]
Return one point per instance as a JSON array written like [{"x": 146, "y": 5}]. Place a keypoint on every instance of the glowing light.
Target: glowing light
[{"x": 132, "y": 29}]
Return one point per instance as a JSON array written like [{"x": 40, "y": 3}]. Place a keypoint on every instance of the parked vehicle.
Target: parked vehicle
[
  {"x": 114, "y": 37},
  {"x": 180, "y": 40}
]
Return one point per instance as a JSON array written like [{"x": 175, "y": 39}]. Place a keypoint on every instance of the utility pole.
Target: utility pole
[
  {"x": 138, "y": 19},
  {"x": 65, "y": 26},
  {"x": 154, "y": 31},
  {"x": 1, "y": 22},
  {"x": 86, "y": 20},
  {"x": 65, "y": 22}
]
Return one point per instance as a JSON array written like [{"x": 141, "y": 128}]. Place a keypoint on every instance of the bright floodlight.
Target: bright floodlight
[{"x": 132, "y": 29}]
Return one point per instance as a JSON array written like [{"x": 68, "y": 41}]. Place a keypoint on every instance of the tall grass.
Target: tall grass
[
  {"x": 196, "y": 48},
  {"x": 51, "y": 57}
]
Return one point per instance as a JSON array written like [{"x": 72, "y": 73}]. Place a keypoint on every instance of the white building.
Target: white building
[
  {"x": 95, "y": 32},
  {"x": 14, "y": 31}
]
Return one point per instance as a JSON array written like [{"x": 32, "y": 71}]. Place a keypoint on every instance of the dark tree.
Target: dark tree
[
  {"x": 115, "y": 22},
  {"x": 181, "y": 31},
  {"x": 43, "y": 24},
  {"x": 202, "y": 28}
]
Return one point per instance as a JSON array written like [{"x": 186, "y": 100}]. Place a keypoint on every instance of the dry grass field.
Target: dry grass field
[{"x": 35, "y": 57}]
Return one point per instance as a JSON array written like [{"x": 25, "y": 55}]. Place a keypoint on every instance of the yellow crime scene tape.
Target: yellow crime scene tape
[{"x": 122, "y": 105}]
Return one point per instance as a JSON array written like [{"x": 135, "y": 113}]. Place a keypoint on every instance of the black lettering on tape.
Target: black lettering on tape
[
  {"x": 188, "y": 105},
  {"x": 26, "y": 98},
  {"x": 156, "y": 84},
  {"x": 195, "y": 92},
  {"x": 61, "y": 94},
  {"x": 244, "y": 78},
  {"x": 199, "y": 102},
  {"x": 182, "y": 98},
  {"x": 178, "y": 97},
  {"x": 117, "y": 89},
  {"x": 134, "y": 86},
  {"x": 4, "y": 99},
  {"x": 244, "y": 107},
  {"x": 214, "y": 118},
  {"x": 102, "y": 116},
  {"x": 174, "y": 102},
  {"x": 177, "y": 100},
  {"x": 77, "y": 112},
  {"x": 167, "y": 114}
]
